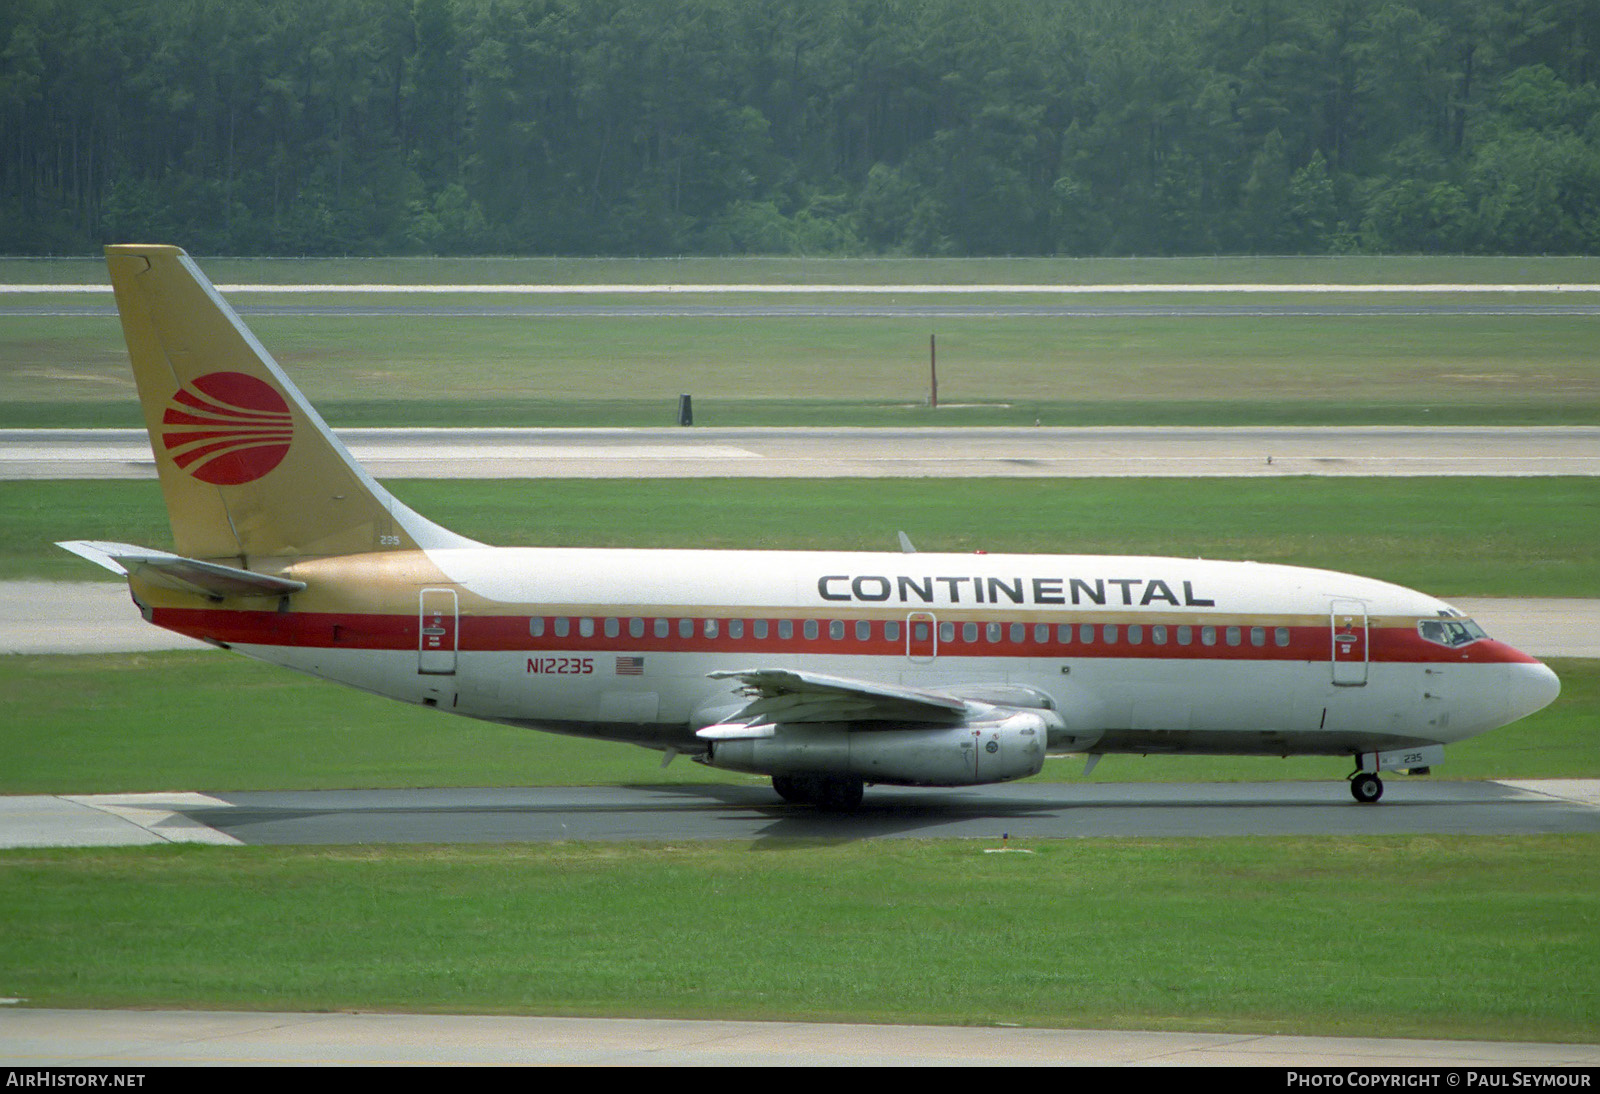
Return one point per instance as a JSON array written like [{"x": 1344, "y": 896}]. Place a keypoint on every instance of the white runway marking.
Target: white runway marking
[
  {"x": 1581, "y": 791},
  {"x": 106, "y": 820}
]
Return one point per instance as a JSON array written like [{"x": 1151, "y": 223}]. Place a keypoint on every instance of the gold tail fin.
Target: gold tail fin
[{"x": 248, "y": 469}]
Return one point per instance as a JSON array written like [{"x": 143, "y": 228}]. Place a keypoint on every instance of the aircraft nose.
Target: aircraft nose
[{"x": 1531, "y": 687}]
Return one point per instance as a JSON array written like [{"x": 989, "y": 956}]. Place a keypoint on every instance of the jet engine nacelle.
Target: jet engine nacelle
[{"x": 1009, "y": 748}]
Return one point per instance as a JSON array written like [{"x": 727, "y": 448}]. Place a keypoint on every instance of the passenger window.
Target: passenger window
[
  {"x": 836, "y": 629},
  {"x": 1158, "y": 635},
  {"x": 891, "y": 631},
  {"x": 1041, "y": 633},
  {"x": 921, "y": 631},
  {"x": 710, "y": 628},
  {"x": 735, "y": 628},
  {"x": 661, "y": 626},
  {"x": 1208, "y": 636},
  {"x": 1108, "y": 633},
  {"x": 563, "y": 626},
  {"x": 991, "y": 632},
  {"x": 1086, "y": 633},
  {"x": 613, "y": 627},
  {"x": 1280, "y": 635},
  {"x": 863, "y": 630},
  {"x": 969, "y": 632},
  {"x": 586, "y": 627},
  {"x": 1258, "y": 636},
  {"x": 1235, "y": 636},
  {"x": 761, "y": 630},
  {"x": 1063, "y": 633},
  {"x": 947, "y": 632},
  {"x": 1185, "y": 636},
  {"x": 785, "y": 628},
  {"x": 810, "y": 629},
  {"x": 636, "y": 628},
  {"x": 1135, "y": 634},
  {"x": 685, "y": 628},
  {"x": 536, "y": 626},
  {"x": 1019, "y": 633}
]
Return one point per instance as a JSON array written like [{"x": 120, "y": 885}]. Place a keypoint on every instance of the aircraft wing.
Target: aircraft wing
[
  {"x": 792, "y": 695},
  {"x": 188, "y": 575}
]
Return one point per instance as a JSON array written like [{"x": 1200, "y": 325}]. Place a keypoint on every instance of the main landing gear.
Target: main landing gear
[
  {"x": 1365, "y": 786},
  {"x": 834, "y": 793}
]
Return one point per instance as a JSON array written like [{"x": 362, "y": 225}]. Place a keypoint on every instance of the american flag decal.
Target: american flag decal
[{"x": 630, "y": 666}]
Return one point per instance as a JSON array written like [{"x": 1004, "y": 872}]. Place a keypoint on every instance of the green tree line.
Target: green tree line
[{"x": 966, "y": 127}]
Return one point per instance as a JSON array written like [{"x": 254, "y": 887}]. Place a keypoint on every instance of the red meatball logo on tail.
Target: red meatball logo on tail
[{"x": 227, "y": 428}]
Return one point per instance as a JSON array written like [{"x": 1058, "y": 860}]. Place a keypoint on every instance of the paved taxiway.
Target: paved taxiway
[
  {"x": 762, "y": 452},
  {"x": 1004, "y": 817},
  {"x": 131, "y": 1040}
]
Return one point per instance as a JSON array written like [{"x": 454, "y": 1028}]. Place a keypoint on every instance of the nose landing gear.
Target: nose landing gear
[{"x": 1366, "y": 787}]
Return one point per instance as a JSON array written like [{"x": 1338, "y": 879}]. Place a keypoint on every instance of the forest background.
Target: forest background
[{"x": 822, "y": 127}]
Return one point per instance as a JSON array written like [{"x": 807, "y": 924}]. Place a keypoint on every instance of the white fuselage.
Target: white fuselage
[{"x": 1136, "y": 654}]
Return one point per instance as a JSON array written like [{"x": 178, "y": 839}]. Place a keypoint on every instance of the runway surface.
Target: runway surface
[
  {"x": 131, "y": 1040},
  {"x": 1006, "y": 817},
  {"x": 761, "y": 452}
]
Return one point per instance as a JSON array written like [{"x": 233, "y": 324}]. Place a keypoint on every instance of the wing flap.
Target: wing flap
[
  {"x": 792, "y": 695},
  {"x": 188, "y": 575}
]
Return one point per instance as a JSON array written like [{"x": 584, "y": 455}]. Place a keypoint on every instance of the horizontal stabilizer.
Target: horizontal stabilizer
[{"x": 187, "y": 575}]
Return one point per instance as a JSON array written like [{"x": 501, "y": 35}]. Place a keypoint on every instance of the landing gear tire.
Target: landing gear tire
[
  {"x": 835, "y": 794},
  {"x": 839, "y": 795},
  {"x": 1366, "y": 787},
  {"x": 796, "y": 789}
]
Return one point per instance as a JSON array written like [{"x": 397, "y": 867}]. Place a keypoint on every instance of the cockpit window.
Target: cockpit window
[{"x": 1450, "y": 632}]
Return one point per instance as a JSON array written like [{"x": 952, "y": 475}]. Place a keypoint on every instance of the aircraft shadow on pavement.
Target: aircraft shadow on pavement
[{"x": 735, "y": 812}]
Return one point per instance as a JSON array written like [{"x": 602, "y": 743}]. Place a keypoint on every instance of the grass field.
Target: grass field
[
  {"x": 1447, "y": 536},
  {"x": 394, "y": 369},
  {"x": 1396, "y": 937},
  {"x": 602, "y": 371}
]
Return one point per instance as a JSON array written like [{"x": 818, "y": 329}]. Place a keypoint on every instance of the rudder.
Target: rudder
[{"x": 248, "y": 468}]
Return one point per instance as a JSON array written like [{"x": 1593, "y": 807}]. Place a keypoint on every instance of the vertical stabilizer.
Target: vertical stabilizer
[{"x": 249, "y": 470}]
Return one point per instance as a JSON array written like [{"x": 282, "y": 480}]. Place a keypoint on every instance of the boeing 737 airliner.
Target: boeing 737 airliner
[{"x": 826, "y": 671}]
